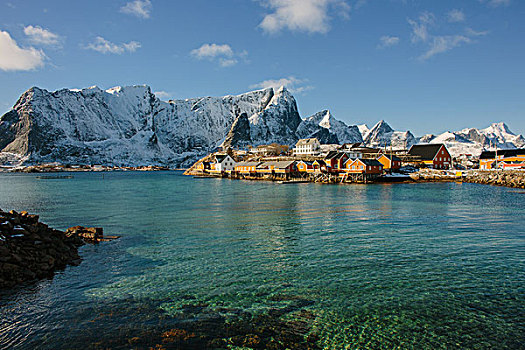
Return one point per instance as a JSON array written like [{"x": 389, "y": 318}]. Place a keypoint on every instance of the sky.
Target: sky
[{"x": 424, "y": 66}]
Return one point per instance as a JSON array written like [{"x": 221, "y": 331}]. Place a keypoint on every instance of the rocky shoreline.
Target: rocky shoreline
[
  {"x": 31, "y": 250},
  {"x": 514, "y": 179},
  {"x": 506, "y": 178},
  {"x": 59, "y": 168}
]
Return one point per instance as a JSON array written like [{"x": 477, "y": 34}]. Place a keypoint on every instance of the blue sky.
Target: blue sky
[{"x": 424, "y": 66}]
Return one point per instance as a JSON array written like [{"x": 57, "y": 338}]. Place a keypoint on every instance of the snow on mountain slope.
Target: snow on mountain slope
[
  {"x": 324, "y": 119},
  {"x": 474, "y": 141},
  {"x": 500, "y": 133},
  {"x": 363, "y": 129},
  {"x": 131, "y": 126},
  {"x": 382, "y": 135},
  {"x": 277, "y": 122}
]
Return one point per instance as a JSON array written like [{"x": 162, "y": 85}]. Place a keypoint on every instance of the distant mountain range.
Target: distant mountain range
[{"x": 131, "y": 126}]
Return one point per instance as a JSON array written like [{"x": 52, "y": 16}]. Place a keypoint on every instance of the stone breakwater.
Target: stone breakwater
[
  {"x": 31, "y": 250},
  {"x": 508, "y": 178},
  {"x": 514, "y": 179}
]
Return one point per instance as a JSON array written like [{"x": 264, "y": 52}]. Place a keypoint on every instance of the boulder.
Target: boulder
[
  {"x": 88, "y": 234},
  {"x": 30, "y": 249}
]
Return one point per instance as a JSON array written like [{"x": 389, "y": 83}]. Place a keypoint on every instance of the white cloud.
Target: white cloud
[
  {"x": 442, "y": 44},
  {"x": 472, "y": 32},
  {"x": 291, "y": 83},
  {"x": 212, "y": 51},
  {"x": 496, "y": 3},
  {"x": 227, "y": 62},
  {"x": 437, "y": 44},
  {"x": 40, "y": 36},
  {"x": 15, "y": 58},
  {"x": 455, "y": 16},
  {"x": 139, "y": 8},
  {"x": 311, "y": 16},
  {"x": 163, "y": 95},
  {"x": 102, "y": 45},
  {"x": 223, "y": 54},
  {"x": 420, "y": 27},
  {"x": 387, "y": 41}
]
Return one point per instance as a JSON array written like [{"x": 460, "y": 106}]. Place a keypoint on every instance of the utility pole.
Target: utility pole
[{"x": 496, "y": 142}]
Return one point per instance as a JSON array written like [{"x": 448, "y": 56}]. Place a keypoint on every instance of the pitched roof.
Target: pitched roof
[
  {"x": 371, "y": 162},
  {"x": 276, "y": 164},
  {"x": 304, "y": 142},
  {"x": 391, "y": 157},
  {"x": 502, "y": 152},
  {"x": 220, "y": 157},
  {"x": 247, "y": 163},
  {"x": 331, "y": 154},
  {"x": 426, "y": 152},
  {"x": 352, "y": 145},
  {"x": 365, "y": 161},
  {"x": 320, "y": 162},
  {"x": 366, "y": 149}
]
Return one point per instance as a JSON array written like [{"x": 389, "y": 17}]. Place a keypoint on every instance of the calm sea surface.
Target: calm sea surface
[{"x": 352, "y": 266}]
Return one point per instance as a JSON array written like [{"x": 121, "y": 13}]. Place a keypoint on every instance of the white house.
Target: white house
[
  {"x": 307, "y": 147},
  {"x": 223, "y": 162}
]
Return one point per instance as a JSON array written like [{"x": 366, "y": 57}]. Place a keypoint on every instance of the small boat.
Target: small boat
[{"x": 293, "y": 182}]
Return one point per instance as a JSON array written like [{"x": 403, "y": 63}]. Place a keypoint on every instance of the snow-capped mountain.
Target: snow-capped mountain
[
  {"x": 343, "y": 133},
  {"x": 473, "y": 141},
  {"x": 363, "y": 129},
  {"x": 131, "y": 126},
  {"x": 382, "y": 135}
]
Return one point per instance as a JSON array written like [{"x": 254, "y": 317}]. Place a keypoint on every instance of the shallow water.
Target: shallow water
[{"x": 438, "y": 265}]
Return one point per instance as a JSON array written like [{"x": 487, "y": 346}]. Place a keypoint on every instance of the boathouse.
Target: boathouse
[
  {"x": 202, "y": 166},
  {"x": 336, "y": 160},
  {"x": 246, "y": 167},
  {"x": 363, "y": 166},
  {"x": 320, "y": 166},
  {"x": 277, "y": 167},
  {"x": 390, "y": 162},
  {"x": 305, "y": 166}
]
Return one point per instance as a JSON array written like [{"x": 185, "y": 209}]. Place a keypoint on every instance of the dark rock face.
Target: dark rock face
[
  {"x": 320, "y": 122},
  {"x": 325, "y": 136},
  {"x": 31, "y": 250},
  {"x": 474, "y": 135},
  {"x": 239, "y": 135}
]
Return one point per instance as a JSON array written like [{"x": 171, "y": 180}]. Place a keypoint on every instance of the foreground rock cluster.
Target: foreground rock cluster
[
  {"x": 515, "y": 179},
  {"x": 31, "y": 250}
]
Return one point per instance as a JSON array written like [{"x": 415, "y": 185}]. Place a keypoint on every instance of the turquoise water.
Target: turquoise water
[{"x": 438, "y": 265}]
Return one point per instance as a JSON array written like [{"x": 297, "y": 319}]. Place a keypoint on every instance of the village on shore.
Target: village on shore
[{"x": 310, "y": 161}]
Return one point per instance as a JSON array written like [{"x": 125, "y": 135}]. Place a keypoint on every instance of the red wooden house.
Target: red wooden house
[{"x": 432, "y": 155}]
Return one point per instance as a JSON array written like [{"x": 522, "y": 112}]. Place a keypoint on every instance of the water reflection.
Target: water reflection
[{"x": 375, "y": 264}]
